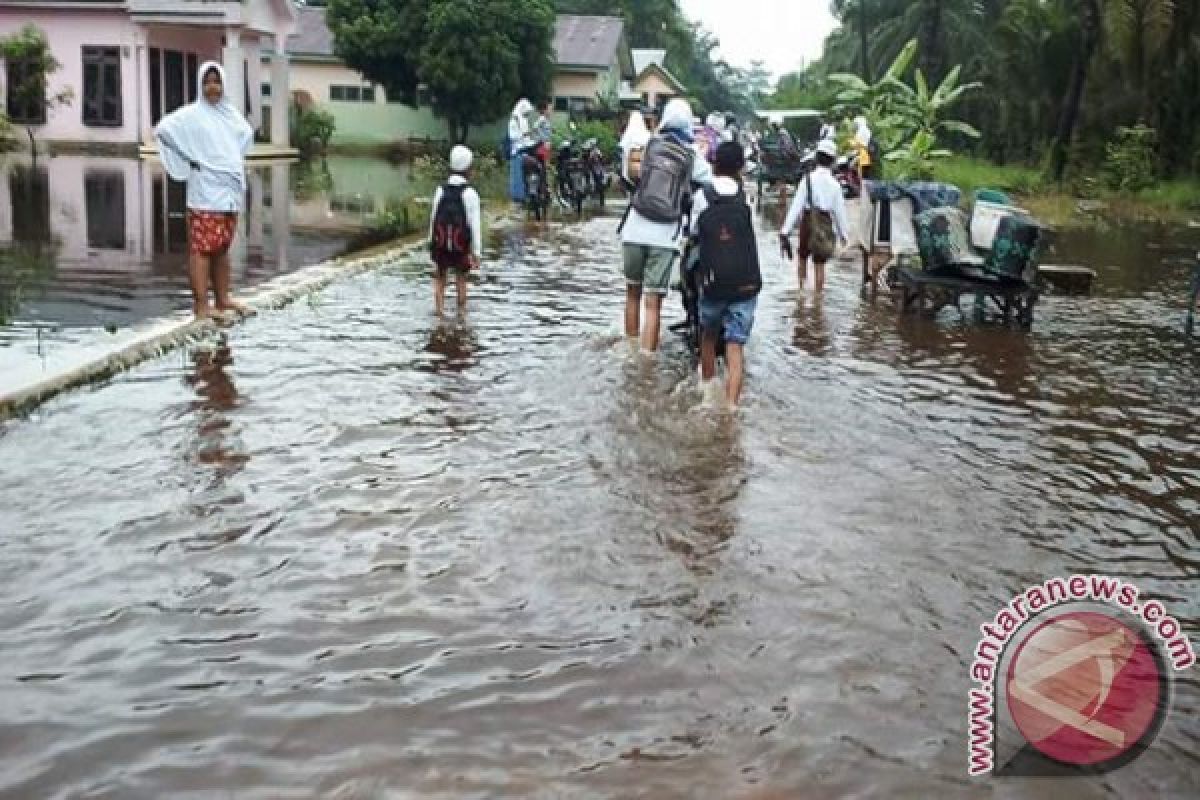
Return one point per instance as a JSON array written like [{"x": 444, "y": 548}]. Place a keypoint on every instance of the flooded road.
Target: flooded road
[
  {"x": 356, "y": 553},
  {"x": 91, "y": 245}
]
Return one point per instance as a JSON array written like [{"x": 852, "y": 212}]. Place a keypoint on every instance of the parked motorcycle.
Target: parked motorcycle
[
  {"x": 537, "y": 193},
  {"x": 574, "y": 182},
  {"x": 597, "y": 170}
]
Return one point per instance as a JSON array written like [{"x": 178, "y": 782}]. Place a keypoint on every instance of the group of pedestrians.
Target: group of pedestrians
[{"x": 684, "y": 191}]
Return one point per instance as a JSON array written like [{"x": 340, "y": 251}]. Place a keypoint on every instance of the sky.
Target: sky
[{"x": 782, "y": 33}]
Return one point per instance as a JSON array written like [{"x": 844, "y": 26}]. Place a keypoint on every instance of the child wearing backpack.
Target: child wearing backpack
[
  {"x": 820, "y": 208},
  {"x": 653, "y": 228},
  {"x": 455, "y": 231},
  {"x": 729, "y": 275}
]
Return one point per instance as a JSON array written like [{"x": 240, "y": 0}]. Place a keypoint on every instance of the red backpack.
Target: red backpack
[{"x": 451, "y": 233}]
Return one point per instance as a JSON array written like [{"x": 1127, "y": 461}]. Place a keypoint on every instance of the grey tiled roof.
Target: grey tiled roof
[
  {"x": 312, "y": 36},
  {"x": 581, "y": 41}
]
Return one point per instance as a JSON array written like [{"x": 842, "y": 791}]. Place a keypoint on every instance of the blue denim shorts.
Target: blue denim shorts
[{"x": 735, "y": 319}]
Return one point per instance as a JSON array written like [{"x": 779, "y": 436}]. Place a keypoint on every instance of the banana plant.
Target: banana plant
[
  {"x": 922, "y": 109},
  {"x": 876, "y": 100}
]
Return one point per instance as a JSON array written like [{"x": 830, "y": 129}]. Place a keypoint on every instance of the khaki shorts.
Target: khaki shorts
[{"x": 649, "y": 267}]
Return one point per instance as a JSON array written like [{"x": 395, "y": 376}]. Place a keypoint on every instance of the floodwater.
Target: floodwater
[
  {"x": 352, "y": 552},
  {"x": 90, "y": 245}
]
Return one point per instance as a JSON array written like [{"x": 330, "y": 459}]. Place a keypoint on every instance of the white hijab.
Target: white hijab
[
  {"x": 636, "y": 133},
  {"x": 518, "y": 123},
  {"x": 213, "y": 136},
  {"x": 861, "y": 132}
]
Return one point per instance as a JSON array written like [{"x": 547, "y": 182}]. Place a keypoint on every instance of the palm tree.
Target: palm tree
[
  {"x": 1137, "y": 29},
  {"x": 1091, "y": 20}
]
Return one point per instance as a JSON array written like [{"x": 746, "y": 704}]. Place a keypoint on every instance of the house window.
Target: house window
[
  {"x": 352, "y": 94},
  {"x": 562, "y": 104},
  {"x": 104, "y": 198},
  {"x": 102, "y": 86},
  {"x": 266, "y": 90},
  {"x": 33, "y": 110},
  {"x": 424, "y": 97}
]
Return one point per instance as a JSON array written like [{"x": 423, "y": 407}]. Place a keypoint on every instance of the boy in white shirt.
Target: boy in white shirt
[
  {"x": 827, "y": 197},
  {"x": 455, "y": 230}
]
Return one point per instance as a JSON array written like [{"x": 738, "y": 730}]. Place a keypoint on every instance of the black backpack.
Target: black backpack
[
  {"x": 728, "y": 250},
  {"x": 451, "y": 233},
  {"x": 665, "y": 180}
]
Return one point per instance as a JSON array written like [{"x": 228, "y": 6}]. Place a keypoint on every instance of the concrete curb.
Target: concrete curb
[{"x": 161, "y": 336}]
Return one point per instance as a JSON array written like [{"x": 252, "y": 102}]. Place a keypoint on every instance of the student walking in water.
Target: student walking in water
[
  {"x": 455, "y": 230},
  {"x": 205, "y": 144}
]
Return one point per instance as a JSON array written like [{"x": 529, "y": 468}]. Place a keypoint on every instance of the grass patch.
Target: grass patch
[
  {"x": 1170, "y": 201},
  {"x": 970, "y": 175}
]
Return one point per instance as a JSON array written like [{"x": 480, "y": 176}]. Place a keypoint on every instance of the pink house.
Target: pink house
[{"x": 129, "y": 62}]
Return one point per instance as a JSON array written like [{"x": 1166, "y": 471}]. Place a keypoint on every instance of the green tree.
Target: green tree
[
  {"x": 475, "y": 56},
  {"x": 27, "y": 56}
]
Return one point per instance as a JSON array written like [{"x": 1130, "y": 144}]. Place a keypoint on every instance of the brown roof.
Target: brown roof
[
  {"x": 581, "y": 41},
  {"x": 312, "y": 36}
]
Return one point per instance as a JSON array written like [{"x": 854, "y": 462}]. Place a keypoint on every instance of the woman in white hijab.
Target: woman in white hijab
[
  {"x": 633, "y": 143},
  {"x": 520, "y": 138},
  {"x": 205, "y": 144},
  {"x": 862, "y": 141}
]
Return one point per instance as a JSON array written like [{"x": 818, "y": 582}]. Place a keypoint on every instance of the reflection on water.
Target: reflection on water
[
  {"x": 215, "y": 444},
  {"x": 455, "y": 346},
  {"x": 119, "y": 233},
  {"x": 356, "y": 552}
]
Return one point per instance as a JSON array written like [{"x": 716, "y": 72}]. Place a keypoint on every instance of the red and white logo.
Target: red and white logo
[{"x": 1085, "y": 689}]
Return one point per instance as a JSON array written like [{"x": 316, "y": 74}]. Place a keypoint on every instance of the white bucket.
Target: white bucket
[{"x": 985, "y": 219}]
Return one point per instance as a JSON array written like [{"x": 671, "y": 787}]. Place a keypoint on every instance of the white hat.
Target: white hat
[
  {"x": 828, "y": 147},
  {"x": 460, "y": 158}
]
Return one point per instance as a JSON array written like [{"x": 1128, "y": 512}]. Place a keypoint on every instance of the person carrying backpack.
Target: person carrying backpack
[
  {"x": 820, "y": 202},
  {"x": 729, "y": 276},
  {"x": 653, "y": 228},
  {"x": 455, "y": 230}
]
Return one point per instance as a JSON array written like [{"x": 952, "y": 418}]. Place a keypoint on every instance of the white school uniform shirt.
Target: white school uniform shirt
[
  {"x": 827, "y": 197},
  {"x": 725, "y": 187},
  {"x": 667, "y": 235},
  {"x": 471, "y": 204}
]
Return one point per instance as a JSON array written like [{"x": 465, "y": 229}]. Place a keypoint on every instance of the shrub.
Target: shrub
[
  {"x": 488, "y": 176},
  {"x": 603, "y": 132},
  {"x": 312, "y": 129},
  {"x": 1129, "y": 164}
]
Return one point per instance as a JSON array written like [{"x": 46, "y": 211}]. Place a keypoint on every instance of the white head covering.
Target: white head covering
[
  {"x": 523, "y": 108},
  {"x": 213, "y": 136},
  {"x": 519, "y": 131},
  {"x": 677, "y": 116},
  {"x": 716, "y": 121},
  {"x": 861, "y": 132},
  {"x": 828, "y": 147},
  {"x": 636, "y": 133},
  {"x": 460, "y": 158}
]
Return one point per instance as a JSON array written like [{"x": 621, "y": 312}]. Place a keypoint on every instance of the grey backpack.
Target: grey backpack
[{"x": 666, "y": 180}]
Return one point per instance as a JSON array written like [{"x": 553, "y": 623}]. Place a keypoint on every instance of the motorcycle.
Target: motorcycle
[
  {"x": 574, "y": 181},
  {"x": 846, "y": 172},
  {"x": 537, "y": 193},
  {"x": 597, "y": 170}
]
